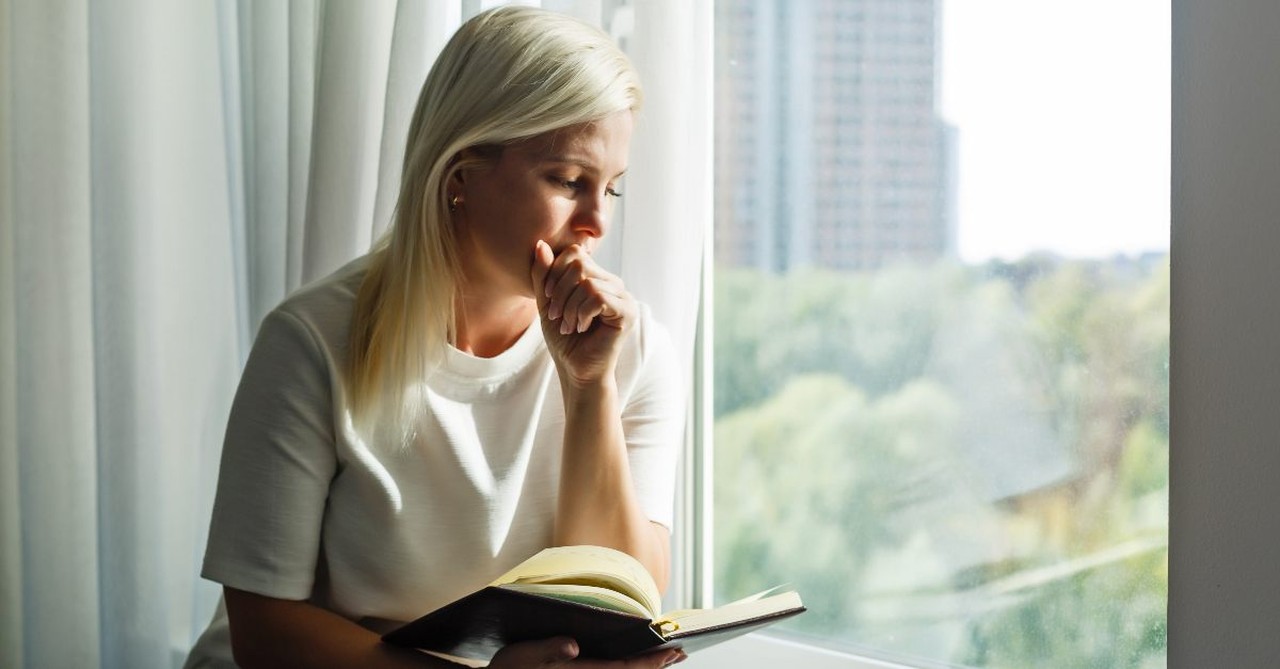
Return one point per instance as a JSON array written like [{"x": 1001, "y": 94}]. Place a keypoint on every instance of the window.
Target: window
[{"x": 944, "y": 417}]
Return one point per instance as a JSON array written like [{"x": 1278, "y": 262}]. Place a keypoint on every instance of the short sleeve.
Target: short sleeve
[
  {"x": 278, "y": 460},
  {"x": 653, "y": 421}
]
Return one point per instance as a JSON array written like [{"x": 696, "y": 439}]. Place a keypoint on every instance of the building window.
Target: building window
[{"x": 941, "y": 403}]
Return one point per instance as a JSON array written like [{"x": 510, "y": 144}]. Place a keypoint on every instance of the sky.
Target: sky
[{"x": 1062, "y": 110}]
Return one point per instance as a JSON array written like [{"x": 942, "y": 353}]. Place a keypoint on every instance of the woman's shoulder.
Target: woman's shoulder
[
  {"x": 337, "y": 289},
  {"x": 324, "y": 306}
]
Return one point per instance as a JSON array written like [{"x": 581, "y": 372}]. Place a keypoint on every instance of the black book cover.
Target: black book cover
[{"x": 480, "y": 624}]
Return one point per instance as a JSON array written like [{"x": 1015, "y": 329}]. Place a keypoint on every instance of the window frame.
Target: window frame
[{"x": 1224, "y": 590}]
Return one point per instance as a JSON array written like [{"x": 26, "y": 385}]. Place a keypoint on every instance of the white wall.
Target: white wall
[{"x": 1224, "y": 608}]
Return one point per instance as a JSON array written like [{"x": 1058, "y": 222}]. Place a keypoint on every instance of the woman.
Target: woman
[{"x": 474, "y": 390}]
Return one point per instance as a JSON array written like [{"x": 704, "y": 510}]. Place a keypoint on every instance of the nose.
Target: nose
[{"x": 591, "y": 219}]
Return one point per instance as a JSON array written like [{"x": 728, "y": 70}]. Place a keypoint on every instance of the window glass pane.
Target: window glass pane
[{"x": 941, "y": 324}]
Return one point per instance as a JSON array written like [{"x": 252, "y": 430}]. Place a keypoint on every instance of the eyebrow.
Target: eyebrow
[{"x": 584, "y": 164}]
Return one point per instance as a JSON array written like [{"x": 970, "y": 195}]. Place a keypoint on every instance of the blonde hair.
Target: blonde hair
[{"x": 507, "y": 74}]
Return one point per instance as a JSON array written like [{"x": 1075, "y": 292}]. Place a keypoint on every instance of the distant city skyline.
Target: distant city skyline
[
  {"x": 829, "y": 148},
  {"x": 1048, "y": 132}
]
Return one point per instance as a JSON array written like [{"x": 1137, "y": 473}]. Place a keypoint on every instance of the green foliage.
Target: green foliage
[
  {"x": 907, "y": 448},
  {"x": 1107, "y": 617},
  {"x": 834, "y": 452},
  {"x": 877, "y": 329}
]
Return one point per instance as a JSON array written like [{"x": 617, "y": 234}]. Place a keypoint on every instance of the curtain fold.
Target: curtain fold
[
  {"x": 10, "y": 517},
  {"x": 257, "y": 85},
  {"x": 164, "y": 313},
  {"x": 304, "y": 36},
  {"x": 168, "y": 173},
  {"x": 52, "y": 400},
  {"x": 355, "y": 45},
  {"x": 663, "y": 229}
]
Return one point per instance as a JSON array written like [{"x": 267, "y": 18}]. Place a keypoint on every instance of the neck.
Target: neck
[{"x": 489, "y": 323}]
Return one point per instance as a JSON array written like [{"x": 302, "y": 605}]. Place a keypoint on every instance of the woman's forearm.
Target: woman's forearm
[
  {"x": 268, "y": 632},
  {"x": 598, "y": 502}
]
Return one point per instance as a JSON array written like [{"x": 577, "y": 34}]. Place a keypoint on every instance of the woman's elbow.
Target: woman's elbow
[{"x": 249, "y": 617}]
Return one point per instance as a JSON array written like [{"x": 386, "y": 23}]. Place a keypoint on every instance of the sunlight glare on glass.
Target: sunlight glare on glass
[{"x": 1063, "y": 118}]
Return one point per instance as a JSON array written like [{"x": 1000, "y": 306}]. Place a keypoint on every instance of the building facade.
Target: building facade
[{"x": 829, "y": 148}]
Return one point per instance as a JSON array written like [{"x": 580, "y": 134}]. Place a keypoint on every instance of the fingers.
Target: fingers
[
  {"x": 563, "y": 652},
  {"x": 543, "y": 257},
  {"x": 553, "y": 652},
  {"x": 590, "y": 299},
  {"x": 658, "y": 659},
  {"x": 654, "y": 660},
  {"x": 576, "y": 291}
]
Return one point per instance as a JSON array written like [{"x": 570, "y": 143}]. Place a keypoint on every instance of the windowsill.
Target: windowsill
[{"x": 757, "y": 651}]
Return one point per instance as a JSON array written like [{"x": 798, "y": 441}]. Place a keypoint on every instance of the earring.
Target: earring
[{"x": 453, "y": 202}]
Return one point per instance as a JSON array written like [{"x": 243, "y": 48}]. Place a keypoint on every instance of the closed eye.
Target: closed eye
[{"x": 574, "y": 185}]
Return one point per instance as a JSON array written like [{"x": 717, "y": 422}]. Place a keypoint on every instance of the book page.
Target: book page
[
  {"x": 604, "y": 598},
  {"x": 593, "y": 566}
]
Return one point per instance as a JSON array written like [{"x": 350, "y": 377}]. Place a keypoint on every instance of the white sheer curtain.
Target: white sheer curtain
[{"x": 169, "y": 172}]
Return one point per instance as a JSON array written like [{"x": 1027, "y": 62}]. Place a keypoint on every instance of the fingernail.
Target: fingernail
[
  {"x": 569, "y": 649},
  {"x": 566, "y": 328}
]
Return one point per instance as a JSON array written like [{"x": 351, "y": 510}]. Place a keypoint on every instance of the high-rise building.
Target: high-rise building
[{"x": 829, "y": 148}]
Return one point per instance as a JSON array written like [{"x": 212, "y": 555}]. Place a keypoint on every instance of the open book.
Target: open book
[{"x": 603, "y": 598}]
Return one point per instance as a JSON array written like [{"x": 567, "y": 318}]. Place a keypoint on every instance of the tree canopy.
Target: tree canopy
[{"x": 972, "y": 461}]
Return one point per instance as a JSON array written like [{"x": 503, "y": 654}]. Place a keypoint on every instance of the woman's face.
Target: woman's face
[{"x": 558, "y": 187}]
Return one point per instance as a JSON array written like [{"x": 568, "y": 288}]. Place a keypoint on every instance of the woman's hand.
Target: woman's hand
[
  {"x": 562, "y": 652},
  {"x": 585, "y": 312}
]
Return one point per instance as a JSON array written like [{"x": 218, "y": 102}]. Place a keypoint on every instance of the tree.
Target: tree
[{"x": 909, "y": 446}]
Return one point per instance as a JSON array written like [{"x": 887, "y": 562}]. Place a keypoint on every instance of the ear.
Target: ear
[
  {"x": 455, "y": 175},
  {"x": 470, "y": 158}
]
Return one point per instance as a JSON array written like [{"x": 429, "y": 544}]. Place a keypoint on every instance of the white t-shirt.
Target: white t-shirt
[{"x": 306, "y": 510}]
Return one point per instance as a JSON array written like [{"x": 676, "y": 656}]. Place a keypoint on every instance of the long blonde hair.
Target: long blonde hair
[{"x": 508, "y": 74}]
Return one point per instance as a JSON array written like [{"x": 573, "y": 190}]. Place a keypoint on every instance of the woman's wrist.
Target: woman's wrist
[
  {"x": 591, "y": 411},
  {"x": 597, "y": 384}
]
